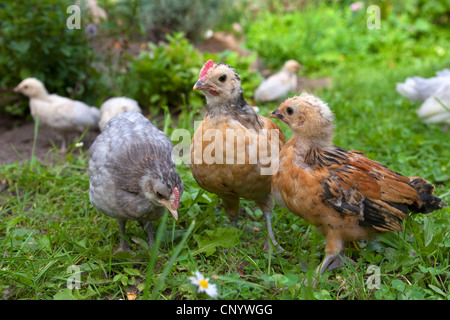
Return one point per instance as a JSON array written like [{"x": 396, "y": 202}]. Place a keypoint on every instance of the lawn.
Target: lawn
[{"x": 51, "y": 236}]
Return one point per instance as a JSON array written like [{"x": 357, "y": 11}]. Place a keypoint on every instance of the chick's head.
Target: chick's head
[
  {"x": 164, "y": 190},
  {"x": 219, "y": 83},
  {"x": 31, "y": 87},
  {"x": 307, "y": 116},
  {"x": 292, "y": 66}
]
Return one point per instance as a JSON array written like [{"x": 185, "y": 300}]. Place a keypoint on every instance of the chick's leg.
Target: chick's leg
[
  {"x": 267, "y": 207},
  {"x": 231, "y": 206},
  {"x": 271, "y": 241},
  {"x": 62, "y": 149},
  {"x": 151, "y": 239},
  {"x": 335, "y": 256},
  {"x": 331, "y": 261},
  {"x": 123, "y": 246}
]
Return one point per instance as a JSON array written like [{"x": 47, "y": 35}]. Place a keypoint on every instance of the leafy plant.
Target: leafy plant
[
  {"x": 324, "y": 36},
  {"x": 191, "y": 17},
  {"x": 37, "y": 43},
  {"x": 165, "y": 75}
]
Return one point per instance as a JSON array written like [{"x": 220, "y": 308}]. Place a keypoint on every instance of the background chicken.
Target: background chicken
[
  {"x": 279, "y": 84},
  {"x": 436, "y": 108},
  {"x": 347, "y": 196},
  {"x": 114, "y": 106},
  {"x": 63, "y": 115},
  {"x": 227, "y": 109},
  {"x": 434, "y": 91},
  {"x": 132, "y": 173}
]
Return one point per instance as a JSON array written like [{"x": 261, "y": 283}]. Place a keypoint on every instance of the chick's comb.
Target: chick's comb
[
  {"x": 177, "y": 197},
  {"x": 284, "y": 102},
  {"x": 205, "y": 69}
]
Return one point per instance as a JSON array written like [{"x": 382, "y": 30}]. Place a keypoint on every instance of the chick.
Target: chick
[
  {"x": 347, "y": 196},
  {"x": 132, "y": 174},
  {"x": 65, "y": 116},
  {"x": 278, "y": 85},
  {"x": 434, "y": 92},
  {"x": 242, "y": 173},
  {"x": 114, "y": 106},
  {"x": 418, "y": 89}
]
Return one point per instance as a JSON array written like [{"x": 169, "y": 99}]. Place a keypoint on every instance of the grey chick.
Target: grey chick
[{"x": 132, "y": 174}]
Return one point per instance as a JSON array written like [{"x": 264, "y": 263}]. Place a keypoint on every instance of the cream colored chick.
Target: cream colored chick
[
  {"x": 114, "y": 106},
  {"x": 65, "y": 116},
  {"x": 278, "y": 85}
]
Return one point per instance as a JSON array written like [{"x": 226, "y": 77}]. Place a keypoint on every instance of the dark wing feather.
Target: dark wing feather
[{"x": 359, "y": 186}]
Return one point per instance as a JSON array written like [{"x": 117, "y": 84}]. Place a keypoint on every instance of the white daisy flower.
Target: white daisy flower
[{"x": 204, "y": 285}]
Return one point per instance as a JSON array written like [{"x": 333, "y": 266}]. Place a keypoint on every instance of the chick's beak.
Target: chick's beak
[
  {"x": 199, "y": 85},
  {"x": 16, "y": 89},
  {"x": 171, "y": 207},
  {"x": 276, "y": 115}
]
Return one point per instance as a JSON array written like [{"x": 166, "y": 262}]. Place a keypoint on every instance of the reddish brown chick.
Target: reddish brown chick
[
  {"x": 227, "y": 150},
  {"x": 347, "y": 196}
]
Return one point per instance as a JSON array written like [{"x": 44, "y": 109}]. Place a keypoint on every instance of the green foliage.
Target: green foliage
[
  {"x": 191, "y": 17},
  {"x": 326, "y": 36},
  {"x": 153, "y": 20},
  {"x": 226, "y": 237},
  {"x": 37, "y": 43},
  {"x": 435, "y": 11},
  {"x": 165, "y": 75}
]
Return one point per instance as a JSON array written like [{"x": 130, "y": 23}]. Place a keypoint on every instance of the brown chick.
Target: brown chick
[
  {"x": 347, "y": 196},
  {"x": 232, "y": 149}
]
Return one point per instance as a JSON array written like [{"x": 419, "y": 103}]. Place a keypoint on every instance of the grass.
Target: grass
[{"x": 47, "y": 223}]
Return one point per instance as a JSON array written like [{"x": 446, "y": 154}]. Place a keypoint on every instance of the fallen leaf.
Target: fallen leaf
[{"x": 131, "y": 296}]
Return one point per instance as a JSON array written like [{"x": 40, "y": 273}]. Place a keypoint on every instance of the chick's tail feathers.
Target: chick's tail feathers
[{"x": 427, "y": 202}]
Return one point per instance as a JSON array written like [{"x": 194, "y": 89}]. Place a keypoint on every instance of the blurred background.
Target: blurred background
[{"x": 152, "y": 51}]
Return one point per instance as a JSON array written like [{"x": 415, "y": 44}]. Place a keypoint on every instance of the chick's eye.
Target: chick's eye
[
  {"x": 289, "y": 111},
  {"x": 222, "y": 78},
  {"x": 159, "y": 195},
  {"x": 25, "y": 87}
]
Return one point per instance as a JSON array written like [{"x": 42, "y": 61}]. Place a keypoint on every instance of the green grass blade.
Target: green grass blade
[
  {"x": 171, "y": 261},
  {"x": 153, "y": 253}
]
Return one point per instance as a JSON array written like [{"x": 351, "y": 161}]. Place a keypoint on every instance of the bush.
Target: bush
[
  {"x": 35, "y": 42},
  {"x": 325, "y": 36},
  {"x": 192, "y": 17},
  {"x": 165, "y": 75}
]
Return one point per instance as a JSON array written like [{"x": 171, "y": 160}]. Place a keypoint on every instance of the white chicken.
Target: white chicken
[
  {"x": 65, "y": 116},
  {"x": 436, "y": 108},
  {"x": 434, "y": 91},
  {"x": 279, "y": 84},
  {"x": 113, "y": 106},
  {"x": 418, "y": 88}
]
